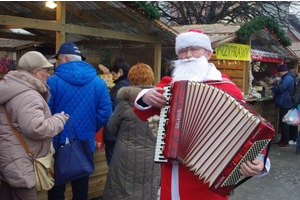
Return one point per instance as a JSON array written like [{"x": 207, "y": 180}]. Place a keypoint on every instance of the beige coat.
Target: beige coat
[
  {"x": 24, "y": 97},
  {"x": 132, "y": 172}
]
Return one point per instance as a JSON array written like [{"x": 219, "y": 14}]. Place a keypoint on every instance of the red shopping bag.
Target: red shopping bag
[{"x": 99, "y": 140}]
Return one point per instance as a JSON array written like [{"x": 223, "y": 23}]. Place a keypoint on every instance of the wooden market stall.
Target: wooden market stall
[
  {"x": 103, "y": 30},
  {"x": 249, "y": 60},
  {"x": 92, "y": 25}
]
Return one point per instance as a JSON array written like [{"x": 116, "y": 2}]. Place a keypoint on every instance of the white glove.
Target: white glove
[{"x": 153, "y": 124}]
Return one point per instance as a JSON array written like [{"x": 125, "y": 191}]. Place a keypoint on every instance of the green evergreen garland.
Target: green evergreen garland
[
  {"x": 105, "y": 57},
  {"x": 260, "y": 23},
  {"x": 150, "y": 11}
]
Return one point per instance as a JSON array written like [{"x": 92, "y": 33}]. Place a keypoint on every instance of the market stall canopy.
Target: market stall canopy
[
  {"x": 223, "y": 33},
  {"x": 101, "y": 23},
  {"x": 296, "y": 48}
]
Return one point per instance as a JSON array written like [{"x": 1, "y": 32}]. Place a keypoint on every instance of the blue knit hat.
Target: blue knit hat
[{"x": 282, "y": 68}]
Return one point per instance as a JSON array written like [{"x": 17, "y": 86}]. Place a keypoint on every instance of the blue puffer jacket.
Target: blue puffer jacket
[
  {"x": 284, "y": 91},
  {"x": 76, "y": 89}
]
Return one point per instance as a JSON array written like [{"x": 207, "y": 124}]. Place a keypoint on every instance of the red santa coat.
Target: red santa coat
[{"x": 177, "y": 182}]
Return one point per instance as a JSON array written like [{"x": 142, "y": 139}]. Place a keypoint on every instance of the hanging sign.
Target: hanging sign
[
  {"x": 232, "y": 51},
  {"x": 266, "y": 56}
]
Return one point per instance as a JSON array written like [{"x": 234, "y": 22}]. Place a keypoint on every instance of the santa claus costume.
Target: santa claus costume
[{"x": 177, "y": 182}]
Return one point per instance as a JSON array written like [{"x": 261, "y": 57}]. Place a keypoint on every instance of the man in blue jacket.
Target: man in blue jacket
[
  {"x": 284, "y": 101},
  {"x": 76, "y": 89}
]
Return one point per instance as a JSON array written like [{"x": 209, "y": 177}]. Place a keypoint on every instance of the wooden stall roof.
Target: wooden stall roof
[
  {"x": 101, "y": 23},
  {"x": 223, "y": 33},
  {"x": 296, "y": 48}
]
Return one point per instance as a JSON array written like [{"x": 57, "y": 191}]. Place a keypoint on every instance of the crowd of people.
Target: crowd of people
[{"x": 40, "y": 105}]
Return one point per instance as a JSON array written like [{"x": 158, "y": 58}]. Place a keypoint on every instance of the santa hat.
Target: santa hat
[{"x": 192, "y": 38}]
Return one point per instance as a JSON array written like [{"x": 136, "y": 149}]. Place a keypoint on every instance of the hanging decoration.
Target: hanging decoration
[
  {"x": 260, "y": 23},
  {"x": 145, "y": 7},
  {"x": 268, "y": 25}
]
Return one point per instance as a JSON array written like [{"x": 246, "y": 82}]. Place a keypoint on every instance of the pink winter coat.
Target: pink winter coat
[{"x": 25, "y": 99}]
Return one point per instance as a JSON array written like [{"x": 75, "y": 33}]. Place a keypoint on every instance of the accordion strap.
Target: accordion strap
[{"x": 265, "y": 160}]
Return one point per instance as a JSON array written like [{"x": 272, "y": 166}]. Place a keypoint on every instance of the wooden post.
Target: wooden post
[
  {"x": 157, "y": 63},
  {"x": 61, "y": 18}
]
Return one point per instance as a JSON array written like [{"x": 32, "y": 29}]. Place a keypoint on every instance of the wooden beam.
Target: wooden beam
[
  {"x": 41, "y": 33},
  {"x": 223, "y": 41},
  {"x": 100, "y": 43},
  {"x": 81, "y": 30},
  {"x": 7, "y": 49},
  {"x": 28, "y": 45},
  {"x": 123, "y": 17},
  {"x": 29, "y": 23},
  {"x": 86, "y": 17},
  {"x": 26, "y": 37},
  {"x": 109, "y": 34},
  {"x": 157, "y": 63},
  {"x": 8, "y": 27}
]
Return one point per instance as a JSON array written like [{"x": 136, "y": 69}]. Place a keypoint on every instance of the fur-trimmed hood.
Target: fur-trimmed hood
[
  {"x": 129, "y": 93},
  {"x": 16, "y": 82}
]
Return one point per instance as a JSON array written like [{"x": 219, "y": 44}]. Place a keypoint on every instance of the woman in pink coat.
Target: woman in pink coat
[{"x": 24, "y": 93}]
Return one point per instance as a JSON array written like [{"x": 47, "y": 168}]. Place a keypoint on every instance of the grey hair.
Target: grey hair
[{"x": 72, "y": 57}]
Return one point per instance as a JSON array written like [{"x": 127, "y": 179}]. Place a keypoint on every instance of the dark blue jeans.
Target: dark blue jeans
[
  {"x": 80, "y": 189},
  {"x": 288, "y": 132}
]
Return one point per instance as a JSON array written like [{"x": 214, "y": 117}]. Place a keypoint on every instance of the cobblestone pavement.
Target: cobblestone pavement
[{"x": 282, "y": 182}]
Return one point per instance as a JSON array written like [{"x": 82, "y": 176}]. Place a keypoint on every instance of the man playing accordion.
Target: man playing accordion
[{"x": 194, "y": 50}]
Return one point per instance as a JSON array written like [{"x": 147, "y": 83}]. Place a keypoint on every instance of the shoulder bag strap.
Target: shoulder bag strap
[{"x": 18, "y": 135}]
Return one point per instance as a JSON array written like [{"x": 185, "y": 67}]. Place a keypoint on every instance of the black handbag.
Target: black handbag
[{"x": 73, "y": 160}]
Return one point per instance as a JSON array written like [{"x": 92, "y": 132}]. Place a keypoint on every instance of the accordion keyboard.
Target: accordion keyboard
[{"x": 160, "y": 143}]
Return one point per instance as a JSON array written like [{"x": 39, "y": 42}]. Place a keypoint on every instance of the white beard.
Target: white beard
[{"x": 194, "y": 69}]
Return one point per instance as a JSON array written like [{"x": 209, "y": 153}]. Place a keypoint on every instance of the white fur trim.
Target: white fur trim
[
  {"x": 192, "y": 39},
  {"x": 140, "y": 95}
]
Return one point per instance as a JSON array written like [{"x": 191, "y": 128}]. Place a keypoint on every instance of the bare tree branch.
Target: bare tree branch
[{"x": 210, "y": 12}]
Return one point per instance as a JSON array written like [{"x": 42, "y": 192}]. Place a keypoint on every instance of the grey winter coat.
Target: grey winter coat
[
  {"x": 132, "y": 172},
  {"x": 25, "y": 99}
]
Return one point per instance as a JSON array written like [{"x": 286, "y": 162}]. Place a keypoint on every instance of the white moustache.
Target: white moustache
[{"x": 195, "y": 69}]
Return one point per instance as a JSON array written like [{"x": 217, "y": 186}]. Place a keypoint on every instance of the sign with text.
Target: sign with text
[
  {"x": 266, "y": 56},
  {"x": 231, "y": 51}
]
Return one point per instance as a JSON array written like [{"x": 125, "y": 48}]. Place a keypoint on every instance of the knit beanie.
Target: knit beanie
[
  {"x": 282, "y": 68},
  {"x": 192, "y": 38},
  {"x": 33, "y": 61},
  {"x": 140, "y": 74}
]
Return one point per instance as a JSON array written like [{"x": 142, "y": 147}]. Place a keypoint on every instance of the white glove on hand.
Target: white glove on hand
[{"x": 153, "y": 124}]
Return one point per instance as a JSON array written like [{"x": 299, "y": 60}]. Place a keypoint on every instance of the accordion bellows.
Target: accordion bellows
[{"x": 211, "y": 132}]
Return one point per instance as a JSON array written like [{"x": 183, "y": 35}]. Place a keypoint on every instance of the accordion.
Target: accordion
[{"x": 211, "y": 132}]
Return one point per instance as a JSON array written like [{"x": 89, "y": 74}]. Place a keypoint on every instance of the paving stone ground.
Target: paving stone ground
[{"x": 282, "y": 183}]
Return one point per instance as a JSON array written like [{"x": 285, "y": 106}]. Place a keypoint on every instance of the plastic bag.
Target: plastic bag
[
  {"x": 99, "y": 141},
  {"x": 292, "y": 117}
]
